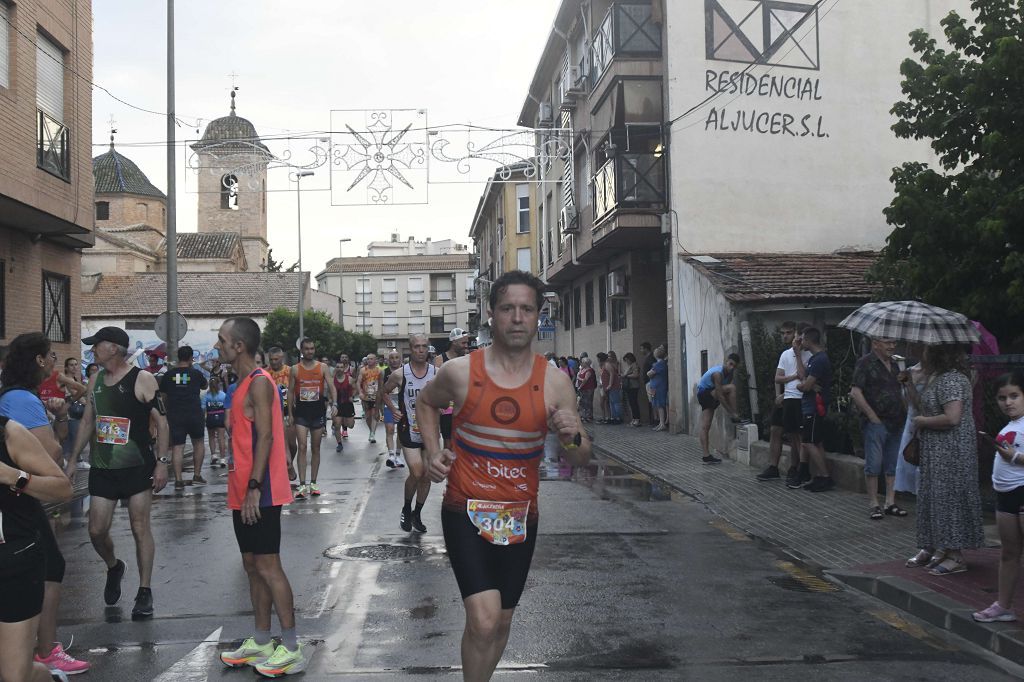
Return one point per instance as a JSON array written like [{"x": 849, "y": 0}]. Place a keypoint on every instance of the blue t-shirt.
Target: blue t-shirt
[
  {"x": 24, "y": 407},
  {"x": 706, "y": 383},
  {"x": 229, "y": 394},
  {"x": 660, "y": 379},
  {"x": 215, "y": 402},
  {"x": 819, "y": 367}
]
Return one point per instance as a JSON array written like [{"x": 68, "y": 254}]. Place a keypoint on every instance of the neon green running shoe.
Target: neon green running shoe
[
  {"x": 250, "y": 653},
  {"x": 283, "y": 662}
]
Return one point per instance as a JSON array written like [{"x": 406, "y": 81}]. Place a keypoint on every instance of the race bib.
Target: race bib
[
  {"x": 371, "y": 389},
  {"x": 309, "y": 395},
  {"x": 500, "y": 523},
  {"x": 414, "y": 426},
  {"x": 112, "y": 430}
]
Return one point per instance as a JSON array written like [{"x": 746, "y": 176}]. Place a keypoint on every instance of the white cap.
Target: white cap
[{"x": 458, "y": 333}]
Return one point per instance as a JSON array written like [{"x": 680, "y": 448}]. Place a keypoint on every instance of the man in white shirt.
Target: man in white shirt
[{"x": 787, "y": 418}]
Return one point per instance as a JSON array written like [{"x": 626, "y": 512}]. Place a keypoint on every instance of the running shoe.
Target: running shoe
[
  {"x": 390, "y": 461},
  {"x": 250, "y": 653},
  {"x": 344, "y": 434},
  {"x": 282, "y": 662},
  {"x": 143, "y": 604},
  {"x": 797, "y": 480},
  {"x": 406, "y": 521},
  {"x": 711, "y": 459},
  {"x": 399, "y": 460},
  {"x": 820, "y": 484},
  {"x": 993, "y": 614},
  {"x": 770, "y": 473},
  {"x": 339, "y": 447},
  {"x": 83, "y": 465},
  {"x": 373, "y": 439},
  {"x": 417, "y": 524},
  {"x": 59, "y": 675},
  {"x": 314, "y": 490},
  {"x": 60, "y": 661},
  {"x": 301, "y": 492},
  {"x": 214, "y": 462},
  {"x": 198, "y": 480},
  {"x": 112, "y": 590}
]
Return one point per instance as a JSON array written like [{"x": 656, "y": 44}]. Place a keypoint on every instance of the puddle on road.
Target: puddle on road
[{"x": 611, "y": 480}]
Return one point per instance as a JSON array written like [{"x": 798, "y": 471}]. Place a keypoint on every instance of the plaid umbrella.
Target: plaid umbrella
[{"x": 912, "y": 321}]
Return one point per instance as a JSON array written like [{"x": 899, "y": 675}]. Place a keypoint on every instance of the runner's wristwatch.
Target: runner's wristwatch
[
  {"x": 254, "y": 484},
  {"x": 576, "y": 442},
  {"x": 21, "y": 483},
  {"x": 164, "y": 460}
]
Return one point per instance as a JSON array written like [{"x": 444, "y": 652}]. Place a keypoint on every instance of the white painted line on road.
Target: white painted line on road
[
  {"x": 335, "y": 568},
  {"x": 195, "y": 666},
  {"x": 358, "y": 587}
]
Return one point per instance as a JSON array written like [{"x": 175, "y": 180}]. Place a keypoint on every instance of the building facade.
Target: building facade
[
  {"x": 393, "y": 297},
  {"x": 396, "y": 247},
  {"x": 596, "y": 100},
  {"x": 46, "y": 185}
]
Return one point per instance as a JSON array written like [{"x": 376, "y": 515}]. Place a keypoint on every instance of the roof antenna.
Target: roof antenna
[
  {"x": 234, "y": 88},
  {"x": 113, "y": 131}
]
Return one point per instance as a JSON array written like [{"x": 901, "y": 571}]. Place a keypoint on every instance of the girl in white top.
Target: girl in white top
[{"x": 1008, "y": 482}]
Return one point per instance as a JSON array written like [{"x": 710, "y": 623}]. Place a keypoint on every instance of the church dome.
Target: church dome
[
  {"x": 117, "y": 174},
  {"x": 231, "y": 133}
]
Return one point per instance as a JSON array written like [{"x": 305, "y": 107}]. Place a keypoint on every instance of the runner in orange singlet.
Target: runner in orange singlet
[
  {"x": 507, "y": 398},
  {"x": 257, "y": 490},
  {"x": 310, "y": 381},
  {"x": 369, "y": 381},
  {"x": 281, "y": 374}
]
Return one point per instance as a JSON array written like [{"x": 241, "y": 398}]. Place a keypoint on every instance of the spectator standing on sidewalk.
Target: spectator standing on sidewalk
[
  {"x": 631, "y": 387},
  {"x": 878, "y": 394},
  {"x": 787, "y": 417},
  {"x": 816, "y": 387},
  {"x": 948, "y": 500},
  {"x": 657, "y": 387},
  {"x": 586, "y": 384},
  {"x": 603, "y": 379},
  {"x": 716, "y": 388},
  {"x": 647, "y": 361},
  {"x": 74, "y": 392},
  {"x": 614, "y": 388}
]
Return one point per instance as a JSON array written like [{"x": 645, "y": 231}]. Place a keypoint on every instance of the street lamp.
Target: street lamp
[
  {"x": 302, "y": 285},
  {"x": 341, "y": 288}
]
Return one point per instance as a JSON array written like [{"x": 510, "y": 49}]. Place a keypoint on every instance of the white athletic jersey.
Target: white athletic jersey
[{"x": 411, "y": 387}]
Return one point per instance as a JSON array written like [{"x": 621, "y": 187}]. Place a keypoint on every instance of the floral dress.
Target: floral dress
[{"x": 949, "y": 501}]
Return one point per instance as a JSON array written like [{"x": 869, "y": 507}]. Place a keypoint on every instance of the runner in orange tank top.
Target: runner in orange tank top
[
  {"x": 257, "y": 490},
  {"x": 281, "y": 374},
  {"x": 310, "y": 383},
  {"x": 507, "y": 398}
]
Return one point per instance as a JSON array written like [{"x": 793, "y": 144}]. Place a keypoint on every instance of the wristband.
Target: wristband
[{"x": 58, "y": 421}]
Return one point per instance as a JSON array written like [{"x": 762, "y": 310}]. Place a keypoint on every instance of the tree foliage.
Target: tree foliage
[
  {"x": 957, "y": 238},
  {"x": 277, "y": 265},
  {"x": 331, "y": 340}
]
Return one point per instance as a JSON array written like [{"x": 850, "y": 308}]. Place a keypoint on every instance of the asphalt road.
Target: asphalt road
[{"x": 627, "y": 583}]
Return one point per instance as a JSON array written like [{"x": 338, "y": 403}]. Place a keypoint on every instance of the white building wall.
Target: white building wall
[
  {"x": 813, "y": 175},
  {"x": 202, "y": 335}
]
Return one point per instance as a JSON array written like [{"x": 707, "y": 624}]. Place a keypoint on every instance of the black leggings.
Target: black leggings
[{"x": 632, "y": 397}]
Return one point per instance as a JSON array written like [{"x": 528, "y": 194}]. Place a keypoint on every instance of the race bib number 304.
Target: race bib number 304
[
  {"x": 112, "y": 430},
  {"x": 500, "y": 523}
]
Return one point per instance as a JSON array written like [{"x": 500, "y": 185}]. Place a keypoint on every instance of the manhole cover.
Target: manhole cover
[
  {"x": 380, "y": 552},
  {"x": 809, "y": 584}
]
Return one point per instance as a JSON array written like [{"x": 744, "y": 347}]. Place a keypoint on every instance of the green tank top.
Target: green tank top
[{"x": 121, "y": 439}]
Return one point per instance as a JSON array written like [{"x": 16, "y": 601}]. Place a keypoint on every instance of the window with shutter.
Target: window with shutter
[
  {"x": 5, "y": 45},
  {"x": 49, "y": 78}
]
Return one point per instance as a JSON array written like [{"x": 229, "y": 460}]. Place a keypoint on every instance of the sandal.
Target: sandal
[
  {"x": 893, "y": 510},
  {"x": 937, "y": 558},
  {"x": 949, "y": 567},
  {"x": 920, "y": 559},
  {"x": 876, "y": 514}
]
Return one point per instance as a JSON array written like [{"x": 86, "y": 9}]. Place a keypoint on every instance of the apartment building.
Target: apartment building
[
  {"x": 596, "y": 98},
  {"x": 46, "y": 181},
  {"x": 392, "y": 297},
  {"x": 411, "y": 247}
]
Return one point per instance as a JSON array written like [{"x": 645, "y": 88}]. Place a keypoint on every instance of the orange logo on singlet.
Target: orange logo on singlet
[{"x": 505, "y": 410}]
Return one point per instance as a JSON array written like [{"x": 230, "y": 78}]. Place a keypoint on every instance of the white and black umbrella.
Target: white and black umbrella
[{"x": 912, "y": 321}]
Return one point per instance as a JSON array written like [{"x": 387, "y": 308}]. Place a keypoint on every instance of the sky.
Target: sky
[{"x": 463, "y": 61}]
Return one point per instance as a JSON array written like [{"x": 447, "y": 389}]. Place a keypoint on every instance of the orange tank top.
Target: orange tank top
[
  {"x": 498, "y": 439},
  {"x": 281, "y": 377},
  {"x": 309, "y": 384},
  {"x": 274, "y": 490}
]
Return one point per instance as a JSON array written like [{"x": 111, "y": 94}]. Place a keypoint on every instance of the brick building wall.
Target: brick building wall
[{"x": 133, "y": 209}]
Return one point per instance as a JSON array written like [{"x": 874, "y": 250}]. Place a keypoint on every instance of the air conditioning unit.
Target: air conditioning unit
[
  {"x": 545, "y": 116},
  {"x": 570, "y": 220},
  {"x": 617, "y": 285},
  {"x": 575, "y": 81}
]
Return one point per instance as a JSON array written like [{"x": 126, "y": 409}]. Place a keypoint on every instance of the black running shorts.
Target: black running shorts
[
  {"x": 347, "y": 410},
  {"x": 707, "y": 400},
  {"x": 311, "y": 422},
  {"x": 264, "y": 536},
  {"x": 192, "y": 427},
  {"x": 480, "y": 566},
  {"x": 22, "y": 571},
  {"x": 813, "y": 430},
  {"x": 120, "y": 484},
  {"x": 1011, "y": 502},
  {"x": 55, "y": 564},
  {"x": 788, "y": 416}
]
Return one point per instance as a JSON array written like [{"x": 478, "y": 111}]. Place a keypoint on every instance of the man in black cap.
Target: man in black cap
[
  {"x": 181, "y": 388},
  {"x": 121, "y": 401}
]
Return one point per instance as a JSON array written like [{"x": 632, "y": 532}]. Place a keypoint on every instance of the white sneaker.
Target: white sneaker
[
  {"x": 399, "y": 460},
  {"x": 83, "y": 465}
]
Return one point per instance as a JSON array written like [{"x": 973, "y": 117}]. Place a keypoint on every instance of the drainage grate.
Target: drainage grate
[
  {"x": 807, "y": 584},
  {"x": 379, "y": 552}
]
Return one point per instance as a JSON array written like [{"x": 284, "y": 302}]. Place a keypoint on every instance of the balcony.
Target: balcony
[
  {"x": 53, "y": 146},
  {"x": 626, "y": 31},
  {"x": 629, "y": 181}
]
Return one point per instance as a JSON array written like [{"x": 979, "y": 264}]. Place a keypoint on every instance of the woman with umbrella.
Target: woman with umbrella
[{"x": 948, "y": 502}]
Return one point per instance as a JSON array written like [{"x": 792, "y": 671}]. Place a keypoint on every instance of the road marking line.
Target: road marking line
[
  {"x": 807, "y": 579},
  {"x": 195, "y": 665},
  {"x": 897, "y": 621},
  {"x": 732, "y": 531}
]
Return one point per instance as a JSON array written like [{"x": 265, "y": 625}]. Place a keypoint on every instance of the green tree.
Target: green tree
[
  {"x": 282, "y": 330},
  {"x": 277, "y": 265},
  {"x": 957, "y": 238}
]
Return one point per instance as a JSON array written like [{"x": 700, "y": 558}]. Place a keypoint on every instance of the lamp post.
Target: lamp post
[
  {"x": 341, "y": 287},
  {"x": 302, "y": 285}
]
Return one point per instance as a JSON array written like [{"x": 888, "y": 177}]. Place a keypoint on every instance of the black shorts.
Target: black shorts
[
  {"x": 446, "y": 426},
  {"x": 707, "y": 400},
  {"x": 813, "y": 429},
  {"x": 264, "y": 536},
  {"x": 120, "y": 484},
  {"x": 22, "y": 572},
  {"x": 788, "y": 416},
  {"x": 405, "y": 438},
  {"x": 311, "y": 420},
  {"x": 215, "y": 421},
  {"x": 1011, "y": 502},
  {"x": 480, "y": 566},
  {"x": 347, "y": 410},
  {"x": 51, "y": 550},
  {"x": 192, "y": 427},
  {"x": 369, "y": 405}
]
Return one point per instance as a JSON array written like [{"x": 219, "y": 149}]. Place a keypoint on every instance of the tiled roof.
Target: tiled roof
[
  {"x": 232, "y": 133},
  {"x": 206, "y": 244},
  {"x": 117, "y": 174},
  {"x": 137, "y": 227},
  {"x": 445, "y": 263},
  {"x": 213, "y": 294},
  {"x": 790, "y": 277},
  {"x": 125, "y": 243}
]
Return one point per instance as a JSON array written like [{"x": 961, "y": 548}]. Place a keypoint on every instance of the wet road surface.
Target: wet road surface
[{"x": 629, "y": 581}]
